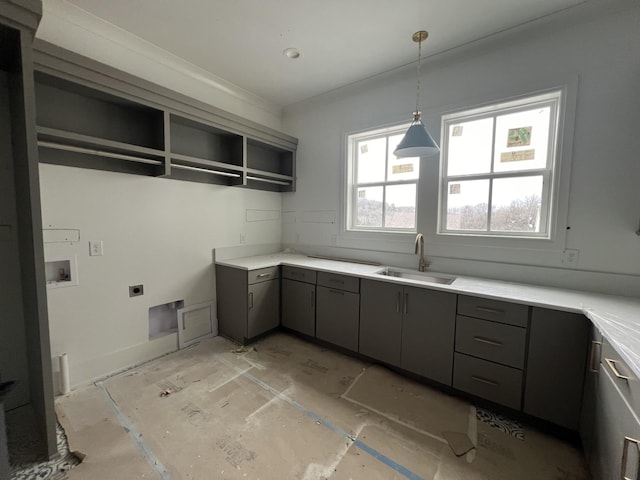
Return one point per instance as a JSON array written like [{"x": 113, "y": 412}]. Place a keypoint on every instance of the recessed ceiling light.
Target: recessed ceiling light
[{"x": 292, "y": 53}]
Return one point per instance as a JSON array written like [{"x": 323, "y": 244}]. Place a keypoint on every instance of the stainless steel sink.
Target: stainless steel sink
[{"x": 417, "y": 276}]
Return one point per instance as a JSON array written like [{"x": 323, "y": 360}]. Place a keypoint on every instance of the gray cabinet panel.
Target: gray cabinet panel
[
  {"x": 337, "y": 317},
  {"x": 341, "y": 282},
  {"x": 488, "y": 380},
  {"x": 427, "y": 333},
  {"x": 299, "y": 274},
  {"x": 493, "y": 341},
  {"x": 556, "y": 362},
  {"x": 298, "y": 306},
  {"x": 231, "y": 296},
  {"x": 264, "y": 307},
  {"x": 588, "y": 413},
  {"x": 380, "y": 321},
  {"x": 495, "y": 310}
]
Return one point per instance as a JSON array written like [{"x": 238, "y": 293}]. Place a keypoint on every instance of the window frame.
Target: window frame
[
  {"x": 352, "y": 187},
  {"x": 553, "y": 98}
]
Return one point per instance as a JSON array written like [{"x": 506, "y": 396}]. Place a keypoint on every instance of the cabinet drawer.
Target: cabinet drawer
[
  {"x": 622, "y": 375},
  {"x": 488, "y": 380},
  {"x": 495, "y": 310},
  {"x": 299, "y": 274},
  {"x": 490, "y": 340},
  {"x": 263, "y": 274},
  {"x": 340, "y": 282}
]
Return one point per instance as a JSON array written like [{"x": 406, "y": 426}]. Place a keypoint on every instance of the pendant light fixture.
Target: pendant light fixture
[{"x": 417, "y": 142}]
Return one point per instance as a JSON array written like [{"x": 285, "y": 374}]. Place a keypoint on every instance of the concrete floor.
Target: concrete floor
[{"x": 289, "y": 409}]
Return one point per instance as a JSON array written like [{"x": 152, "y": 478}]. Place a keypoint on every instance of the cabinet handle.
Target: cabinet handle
[
  {"x": 489, "y": 310},
  {"x": 485, "y": 381},
  {"x": 614, "y": 369},
  {"x": 262, "y": 275},
  {"x": 250, "y": 299},
  {"x": 593, "y": 362},
  {"x": 625, "y": 458},
  {"x": 406, "y": 303},
  {"x": 488, "y": 341},
  {"x": 338, "y": 292},
  {"x": 398, "y": 302},
  {"x": 311, "y": 298}
]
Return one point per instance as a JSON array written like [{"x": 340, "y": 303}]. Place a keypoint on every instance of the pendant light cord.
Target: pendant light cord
[{"x": 416, "y": 114}]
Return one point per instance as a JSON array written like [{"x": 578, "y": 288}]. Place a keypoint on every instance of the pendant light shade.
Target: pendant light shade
[{"x": 417, "y": 142}]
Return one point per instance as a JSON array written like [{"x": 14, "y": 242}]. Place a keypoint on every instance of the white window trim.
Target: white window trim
[{"x": 553, "y": 98}]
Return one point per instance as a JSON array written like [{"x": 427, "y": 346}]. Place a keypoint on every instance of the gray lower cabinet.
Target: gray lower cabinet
[
  {"x": 428, "y": 329},
  {"x": 337, "y": 317},
  {"x": 299, "y": 306},
  {"x": 338, "y": 309},
  {"x": 490, "y": 345},
  {"x": 381, "y": 321},
  {"x": 615, "y": 453},
  {"x": 248, "y": 301},
  {"x": 588, "y": 412},
  {"x": 558, "y": 343},
  {"x": 409, "y": 327}
]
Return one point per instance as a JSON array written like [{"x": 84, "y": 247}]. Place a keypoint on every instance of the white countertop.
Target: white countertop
[{"x": 618, "y": 318}]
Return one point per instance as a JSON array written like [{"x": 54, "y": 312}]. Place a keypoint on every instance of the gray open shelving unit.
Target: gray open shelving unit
[{"x": 92, "y": 116}]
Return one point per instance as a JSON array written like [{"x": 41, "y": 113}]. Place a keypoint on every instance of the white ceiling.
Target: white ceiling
[{"x": 342, "y": 41}]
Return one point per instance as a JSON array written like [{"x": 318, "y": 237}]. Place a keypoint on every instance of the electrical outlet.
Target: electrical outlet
[
  {"x": 96, "y": 248},
  {"x": 570, "y": 257},
  {"x": 136, "y": 290}
]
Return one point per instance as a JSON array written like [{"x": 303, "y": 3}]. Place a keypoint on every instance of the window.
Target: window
[
  {"x": 381, "y": 188},
  {"x": 498, "y": 166}
]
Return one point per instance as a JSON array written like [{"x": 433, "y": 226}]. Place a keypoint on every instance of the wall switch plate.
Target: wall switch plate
[
  {"x": 570, "y": 257},
  {"x": 136, "y": 290},
  {"x": 96, "y": 248}
]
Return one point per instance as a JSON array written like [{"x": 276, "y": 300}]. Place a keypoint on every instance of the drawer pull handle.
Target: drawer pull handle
[
  {"x": 489, "y": 310},
  {"x": 593, "y": 361},
  {"x": 406, "y": 303},
  {"x": 485, "y": 381},
  {"x": 488, "y": 341},
  {"x": 339, "y": 292},
  {"x": 250, "y": 299},
  {"x": 262, "y": 275},
  {"x": 614, "y": 369},
  {"x": 625, "y": 459}
]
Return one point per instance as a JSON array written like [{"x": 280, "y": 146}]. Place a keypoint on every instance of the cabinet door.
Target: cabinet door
[
  {"x": 556, "y": 362},
  {"x": 428, "y": 329},
  {"x": 263, "y": 308},
  {"x": 614, "y": 454},
  {"x": 380, "y": 321},
  {"x": 337, "y": 317},
  {"x": 298, "y": 306}
]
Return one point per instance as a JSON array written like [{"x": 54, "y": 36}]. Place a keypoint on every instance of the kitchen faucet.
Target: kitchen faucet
[{"x": 422, "y": 265}]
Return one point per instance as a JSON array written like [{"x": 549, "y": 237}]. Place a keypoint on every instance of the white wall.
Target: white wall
[
  {"x": 156, "y": 232},
  {"x": 600, "y": 53}
]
